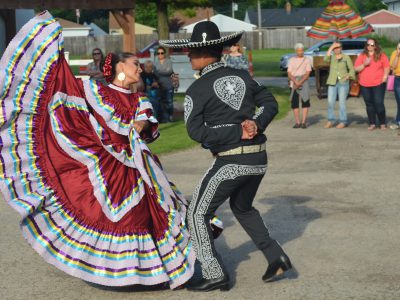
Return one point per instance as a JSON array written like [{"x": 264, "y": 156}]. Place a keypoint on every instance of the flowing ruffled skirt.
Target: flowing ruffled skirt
[{"x": 101, "y": 211}]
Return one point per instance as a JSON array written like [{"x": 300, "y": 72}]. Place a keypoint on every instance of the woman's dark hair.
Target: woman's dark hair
[
  {"x": 115, "y": 59},
  {"x": 377, "y": 49}
]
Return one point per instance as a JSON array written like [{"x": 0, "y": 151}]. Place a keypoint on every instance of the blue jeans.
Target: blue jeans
[
  {"x": 373, "y": 98},
  {"x": 333, "y": 90},
  {"x": 397, "y": 95},
  {"x": 166, "y": 105}
]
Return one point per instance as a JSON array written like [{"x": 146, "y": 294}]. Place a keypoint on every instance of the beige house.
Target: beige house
[
  {"x": 114, "y": 27},
  {"x": 73, "y": 29}
]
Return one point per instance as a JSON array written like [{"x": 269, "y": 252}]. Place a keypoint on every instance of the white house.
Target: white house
[
  {"x": 73, "y": 29},
  {"x": 224, "y": 23}
]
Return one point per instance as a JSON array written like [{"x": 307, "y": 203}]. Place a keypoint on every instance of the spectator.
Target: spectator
[
  {"x": 93, "y": 68},
  {"x": 299, "y": 69},
  {"x": 341, "y": 70},
  {"x": 163, "y": 70},
  {"x": 236, "y": 59},
  {"x": 151, "y": 87},
  {"x": 373, "y": 67},
  {"x": 395, "y": 66}
]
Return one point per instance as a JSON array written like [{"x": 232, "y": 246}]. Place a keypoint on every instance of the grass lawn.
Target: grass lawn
[
  {"x": 266, "y": 62},
  {"x": 174, "y": 136}
]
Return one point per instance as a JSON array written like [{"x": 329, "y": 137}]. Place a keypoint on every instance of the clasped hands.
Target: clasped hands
[{"x": 249, "y": 129}]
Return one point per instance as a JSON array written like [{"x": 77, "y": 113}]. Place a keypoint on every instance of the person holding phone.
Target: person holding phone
[
  {"x": 395, "y": 66},
  {"x": 373, "y": 68}
]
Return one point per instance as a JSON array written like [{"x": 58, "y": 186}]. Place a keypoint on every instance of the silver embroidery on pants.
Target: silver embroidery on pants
[{"x": 198, "y": 230}]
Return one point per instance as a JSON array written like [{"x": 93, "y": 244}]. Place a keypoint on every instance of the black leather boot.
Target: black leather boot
[
  {"x": 206, "y": 285},
  {"x": 277, "y": 268}
]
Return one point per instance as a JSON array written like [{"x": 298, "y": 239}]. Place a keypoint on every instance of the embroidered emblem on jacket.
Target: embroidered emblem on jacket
[
  {"x": 188, "y": 106},
  {"x": 231, "y": 90}
]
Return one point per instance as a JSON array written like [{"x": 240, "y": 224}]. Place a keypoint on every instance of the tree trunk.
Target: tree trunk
[{"x": 162, "y": 19}]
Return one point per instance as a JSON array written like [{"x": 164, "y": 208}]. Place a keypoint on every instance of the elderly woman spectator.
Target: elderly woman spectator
[
  {"x": 299, "y": 69},
  {"x": 373, "y": 67},
  {"x": 341, "y": 70}
]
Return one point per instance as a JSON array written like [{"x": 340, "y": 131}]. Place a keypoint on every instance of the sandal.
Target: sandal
[
  {"x": 371, "y": 127},
  {"x": 383, "y": 127},
  {"x": 297, "y": 125}
]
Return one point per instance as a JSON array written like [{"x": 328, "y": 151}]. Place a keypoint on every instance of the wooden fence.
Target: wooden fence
[{"x": 268, "y": 38}]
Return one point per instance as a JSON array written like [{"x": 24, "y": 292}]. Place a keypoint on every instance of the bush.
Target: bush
[{"x": 383, "y": 41}]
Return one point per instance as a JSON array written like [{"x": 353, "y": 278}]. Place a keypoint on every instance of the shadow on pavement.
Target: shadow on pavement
[{"x": 286, "y": 220}]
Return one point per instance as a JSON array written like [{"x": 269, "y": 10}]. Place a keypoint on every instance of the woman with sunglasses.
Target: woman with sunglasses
[
  {"x": 74, "y": 163},
  {"x": 373, "y": 68},
  {"x": 395, "y": 66},
  {"x": 93, "y": 68},
  {"x": 163, "y": 70}
]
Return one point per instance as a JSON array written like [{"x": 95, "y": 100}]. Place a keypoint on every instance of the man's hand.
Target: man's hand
[
  {"x": 140, "y": 125},
  {"x": 249, "y": 128}
]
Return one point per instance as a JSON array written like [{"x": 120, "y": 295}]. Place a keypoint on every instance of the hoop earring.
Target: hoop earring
[{"x": 121, "y": 76}]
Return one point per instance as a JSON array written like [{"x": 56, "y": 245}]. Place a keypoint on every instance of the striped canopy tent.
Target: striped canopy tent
[{"x": 340, "y": 21}]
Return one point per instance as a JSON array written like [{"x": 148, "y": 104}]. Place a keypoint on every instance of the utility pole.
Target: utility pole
[
  {"x": 78, "y": 14},
  {"x": 259, "y": 24},
  {"x": 234, "y": 8}
]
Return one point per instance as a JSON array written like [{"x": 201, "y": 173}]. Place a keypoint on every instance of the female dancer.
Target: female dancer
[{"x": 94, "y": 200}]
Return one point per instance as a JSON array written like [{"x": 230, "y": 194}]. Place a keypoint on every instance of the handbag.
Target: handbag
[
  {"x": 354, "y": 88},
  {"x": 390, "y": 83}
]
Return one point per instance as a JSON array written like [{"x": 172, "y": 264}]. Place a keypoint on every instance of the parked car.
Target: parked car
[{"x": 350, "y": 47}]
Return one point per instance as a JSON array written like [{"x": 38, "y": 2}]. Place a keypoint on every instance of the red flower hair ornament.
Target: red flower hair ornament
[{"x": 107, "y": 68}]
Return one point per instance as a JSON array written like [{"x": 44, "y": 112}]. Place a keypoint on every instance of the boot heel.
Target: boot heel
[{"x": 225, "y": 287}]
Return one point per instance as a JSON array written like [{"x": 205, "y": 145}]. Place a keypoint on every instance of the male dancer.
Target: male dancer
[{"x": 227, "y": 111}]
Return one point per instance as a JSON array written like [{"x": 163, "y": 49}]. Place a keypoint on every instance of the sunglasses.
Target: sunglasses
[
  {"x": 96, "y": 53},
  {"x": 372, "y": 45},
  {"x": 160, "y": 53}
]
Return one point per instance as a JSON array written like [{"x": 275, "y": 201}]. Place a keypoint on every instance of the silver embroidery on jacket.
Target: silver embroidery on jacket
[
  {"x": 188, "y": 107},
  {"x": 258, "y": 113},
  {"x": 230, "y": 90}
]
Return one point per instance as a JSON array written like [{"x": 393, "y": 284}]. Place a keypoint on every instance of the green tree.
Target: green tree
[{"x": 163, "y": 7}]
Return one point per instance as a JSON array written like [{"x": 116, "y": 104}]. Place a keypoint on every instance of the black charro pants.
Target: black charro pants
[{"x": 236, "y": 177}]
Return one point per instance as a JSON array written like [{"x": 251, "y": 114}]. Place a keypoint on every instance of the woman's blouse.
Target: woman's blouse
[
  {"x": 372, "y": 75},
  {"x": 396, "y": 70},
  {"x": 237, "y": 62},
  {"x": 339, "y": 69},
  {"x": 163, "y": 71}
]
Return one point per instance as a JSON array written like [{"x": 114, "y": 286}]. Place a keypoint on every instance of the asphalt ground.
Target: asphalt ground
[{"x": 330, "y": 197}]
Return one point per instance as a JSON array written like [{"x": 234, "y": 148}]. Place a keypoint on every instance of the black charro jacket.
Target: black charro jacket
[{"x": 219, "y": 101}]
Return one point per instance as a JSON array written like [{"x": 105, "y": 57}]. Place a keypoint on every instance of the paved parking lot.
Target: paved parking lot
[{"x": 331, "y": 197}]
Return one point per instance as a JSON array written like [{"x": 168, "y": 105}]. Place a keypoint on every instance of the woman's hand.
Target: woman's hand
[{"x": 140, "y": 125}]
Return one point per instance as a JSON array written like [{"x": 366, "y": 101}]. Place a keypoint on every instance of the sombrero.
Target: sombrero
[{"x": 205, "y": 34}]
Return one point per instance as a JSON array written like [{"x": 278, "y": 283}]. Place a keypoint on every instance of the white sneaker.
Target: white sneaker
[{"x": 394, "y": 126}]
